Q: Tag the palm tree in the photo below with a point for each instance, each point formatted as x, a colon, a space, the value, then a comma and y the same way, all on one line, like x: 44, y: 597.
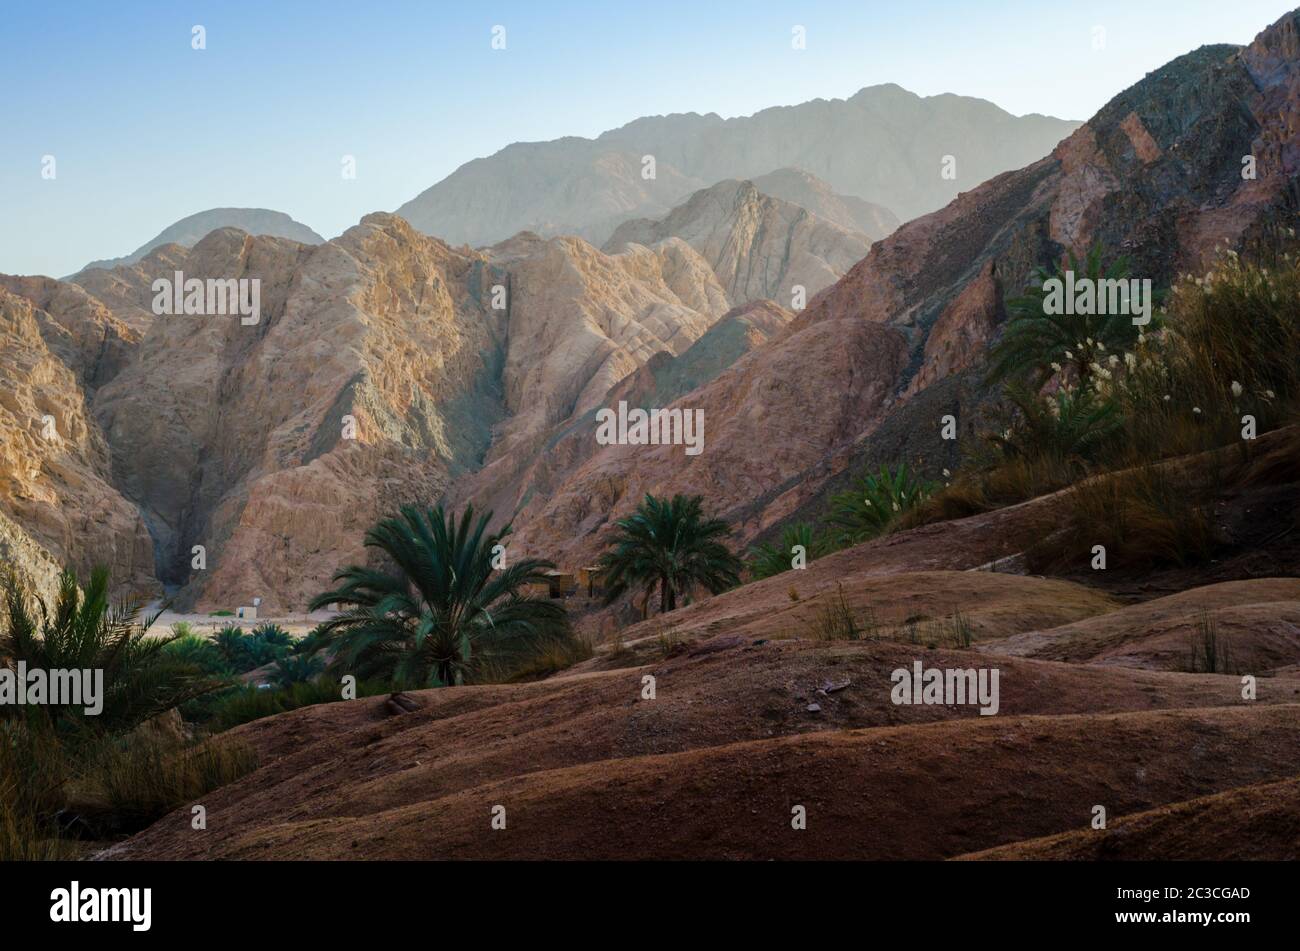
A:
x: 873, y: 503
x: 1037, y: 345
x: 1072, y: 423
x: 142, y: 678
x: 769, y: 559
x: 296, y: 669
x: 444, y: 612
x: 671, y: 546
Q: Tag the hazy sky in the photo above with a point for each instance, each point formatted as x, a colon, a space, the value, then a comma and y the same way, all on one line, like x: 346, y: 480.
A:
x: 146, y: 130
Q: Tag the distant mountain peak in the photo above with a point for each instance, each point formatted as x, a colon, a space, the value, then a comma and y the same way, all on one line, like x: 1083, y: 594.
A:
x: 191, y: 229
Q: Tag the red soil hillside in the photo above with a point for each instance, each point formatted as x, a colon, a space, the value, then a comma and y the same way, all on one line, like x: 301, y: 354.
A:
x: 919, y: 791
x: 1257, y: 823
x: 1258, y: 622
x: 723, y: 716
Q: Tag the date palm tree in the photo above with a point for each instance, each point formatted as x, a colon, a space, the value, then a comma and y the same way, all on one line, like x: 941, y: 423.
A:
x: 874, y: 502
x: 1037, y: 345
x: 670, y: 545
x: 442, y: 610
x: 1070, y: 424
x: 142, y: 678
x: 770, y: 559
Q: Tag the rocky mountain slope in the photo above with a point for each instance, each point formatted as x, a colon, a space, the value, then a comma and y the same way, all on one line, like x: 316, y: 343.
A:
x: 384, y: 365
x: 758, y: 246
x: 817, y: 197
x: 190, y: 230
x: 371, y: 377
x: 587, y: 187
x: 580, y: 320
x: 1156, y: 175
x: 520, y: 482
x: 58, y: 503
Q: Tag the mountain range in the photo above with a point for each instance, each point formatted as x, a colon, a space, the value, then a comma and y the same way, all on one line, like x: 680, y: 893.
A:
x: 391, y: 366
x: 883, y: 145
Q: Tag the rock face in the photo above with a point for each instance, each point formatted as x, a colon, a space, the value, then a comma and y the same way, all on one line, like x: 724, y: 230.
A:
x: 58, y: 505
x: 897, y: 142
x: 580, y: 320
x: 518, y: 484
x: 963, y: 331
x: 816, y: 196
x: 758, y: 246
x: 189, y: 231
x: 81, y: 331
x: 773, y: 413
x: 369, y: 379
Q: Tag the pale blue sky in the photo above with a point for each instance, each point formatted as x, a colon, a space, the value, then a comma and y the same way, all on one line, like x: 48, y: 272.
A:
x: 146, y: 130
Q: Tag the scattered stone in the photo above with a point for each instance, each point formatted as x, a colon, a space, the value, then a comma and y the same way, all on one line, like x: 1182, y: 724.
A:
x: 400, y: 703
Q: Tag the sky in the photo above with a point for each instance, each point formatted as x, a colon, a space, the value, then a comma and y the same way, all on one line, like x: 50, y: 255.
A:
x: 145, y: 130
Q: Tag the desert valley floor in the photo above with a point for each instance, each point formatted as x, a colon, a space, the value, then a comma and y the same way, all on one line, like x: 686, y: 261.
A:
x: 753, y: 715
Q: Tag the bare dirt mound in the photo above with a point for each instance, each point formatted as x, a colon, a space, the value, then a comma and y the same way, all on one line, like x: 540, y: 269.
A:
x: 1260, y: 822
x: 934, y: 790
x: 344, y: 761
x: 791, y: 604
x: 1257, y: 624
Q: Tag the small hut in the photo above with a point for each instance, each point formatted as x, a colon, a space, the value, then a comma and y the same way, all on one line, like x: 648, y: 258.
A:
x: 593, y: 579
x: 561, y: 583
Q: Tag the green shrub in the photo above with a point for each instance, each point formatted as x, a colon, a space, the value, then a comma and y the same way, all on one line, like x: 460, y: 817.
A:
x: 312, y: 643
x: 83, y: 783
x: 201, y: 652
x: 874, y: 503
x: 767, y: 560
x: 272, y: 634
x: 251, y: 702
x: 1209, y: 652
x: 296, y: 669
x: 147, y: 775
x: 1070, y: 425
x: 1144, y: 517
x: 1239, y: 325
x: 1229, y: 347
x: 835, y: 620
x: 551, y: 657
x: 1036, y: 346
x: 33, y: 773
